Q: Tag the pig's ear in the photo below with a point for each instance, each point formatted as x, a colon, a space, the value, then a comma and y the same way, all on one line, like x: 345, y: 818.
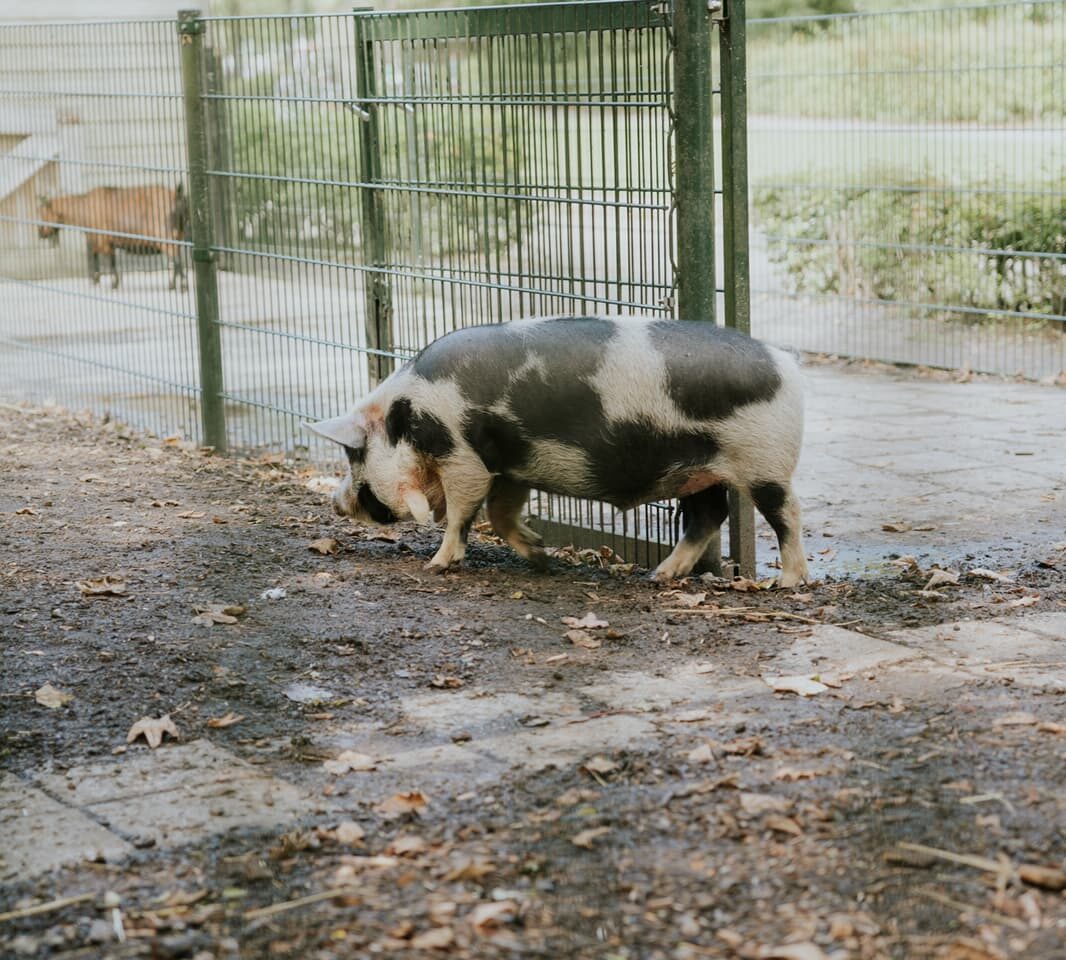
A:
x: 349, y: 430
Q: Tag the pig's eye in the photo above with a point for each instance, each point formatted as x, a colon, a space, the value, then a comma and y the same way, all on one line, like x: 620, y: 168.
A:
x: 355, y: 454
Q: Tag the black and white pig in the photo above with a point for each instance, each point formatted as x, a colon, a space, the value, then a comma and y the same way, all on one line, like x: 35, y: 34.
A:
x: 621, y: 409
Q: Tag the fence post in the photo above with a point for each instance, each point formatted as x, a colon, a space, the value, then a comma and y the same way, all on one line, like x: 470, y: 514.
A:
x: 734, y: 87
x: 378, y: 321
x: 694, y: 178
x: 190, y: 28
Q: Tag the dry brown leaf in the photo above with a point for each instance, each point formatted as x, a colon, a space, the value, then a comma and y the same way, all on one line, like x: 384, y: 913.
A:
x: 106, y: 586
x: 939, y: 577
x: 153, y: 729
x: 349, y: 833
x: 1049, y: 726
x: 804, y: 686
x: 470, y: 869
x: 744, y: 746
x: 1022, y: 602
x: 350, y: 760
x: 687, y: 599
x: 211, y: 613
x: 780, y: 824
x: 586, y: 838
x: 414, y: 801
x: 580, y: 638
x: 1019, y: 718
x: 407, y: 845
x: 445, y: 682
x: 49, y: 696
x: 588, y: 622
x: 228, y: 720
x: 437, y: 938
x: 327, y: 546
x: 600, y: 764
x: 1050, y: 878
x: 756, y: 804
x: 192, y: 515
x: 792, y: 774
x: 486, y: 917
x: 701, y: 754
x: 896, y: 526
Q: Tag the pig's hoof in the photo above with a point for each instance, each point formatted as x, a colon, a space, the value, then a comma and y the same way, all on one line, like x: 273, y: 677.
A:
x: 437, y: 566
x: 538, y: 558
x: 789, y: 581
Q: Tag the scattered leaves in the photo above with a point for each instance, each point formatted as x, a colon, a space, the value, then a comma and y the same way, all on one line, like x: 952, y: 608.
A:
x: 327, y: 546
x: 581, y: 638
x: 599, y: 764
x: 407, y: 845
x: 153, y: 729
x: 349, y: 833
x: 939, y: 577
x: 486, y: 917
x: 436, y: 938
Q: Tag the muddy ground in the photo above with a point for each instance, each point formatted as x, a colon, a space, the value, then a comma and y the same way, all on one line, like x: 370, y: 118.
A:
x: 737, y: 828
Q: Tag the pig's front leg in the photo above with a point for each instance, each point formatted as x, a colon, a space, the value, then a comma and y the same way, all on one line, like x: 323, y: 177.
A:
x: 465, y: 487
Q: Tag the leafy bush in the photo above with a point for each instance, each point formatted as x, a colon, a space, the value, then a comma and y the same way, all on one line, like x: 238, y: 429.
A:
x: 922, y: 243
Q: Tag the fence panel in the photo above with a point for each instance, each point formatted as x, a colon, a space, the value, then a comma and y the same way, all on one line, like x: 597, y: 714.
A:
x: 909, y: 185
x: 94, y: 110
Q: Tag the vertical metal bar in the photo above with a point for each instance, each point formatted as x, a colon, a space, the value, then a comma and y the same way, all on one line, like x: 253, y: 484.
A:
x: 694, y: 178
x: 378, y: 289
x: 190, y: 28
x: 736, y: 279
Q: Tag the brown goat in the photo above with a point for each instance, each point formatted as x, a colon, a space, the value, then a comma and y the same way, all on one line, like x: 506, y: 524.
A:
x: 152, y: 215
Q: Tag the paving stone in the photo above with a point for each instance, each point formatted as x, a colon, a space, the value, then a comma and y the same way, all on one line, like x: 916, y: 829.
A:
x: 637, y: 690
x: 830, y: 649
x: 38, y: 834
x: 477, y: 713
x: 174, y: 795
x: 993, y: 648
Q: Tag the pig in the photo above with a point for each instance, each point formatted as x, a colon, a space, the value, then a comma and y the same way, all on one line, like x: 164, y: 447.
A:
x: 625, y: 410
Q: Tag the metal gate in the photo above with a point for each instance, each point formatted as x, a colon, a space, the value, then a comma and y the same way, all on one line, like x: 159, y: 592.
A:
x: 362, y: 183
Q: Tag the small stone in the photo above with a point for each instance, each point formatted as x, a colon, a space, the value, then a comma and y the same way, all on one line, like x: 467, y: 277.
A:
x: 101, y: 932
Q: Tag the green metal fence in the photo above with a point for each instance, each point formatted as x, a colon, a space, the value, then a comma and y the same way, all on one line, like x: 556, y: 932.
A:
x: 359, y: 184
x: 909, y: 185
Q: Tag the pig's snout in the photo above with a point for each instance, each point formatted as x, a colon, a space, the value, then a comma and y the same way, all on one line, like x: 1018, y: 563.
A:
x: 344, y: 504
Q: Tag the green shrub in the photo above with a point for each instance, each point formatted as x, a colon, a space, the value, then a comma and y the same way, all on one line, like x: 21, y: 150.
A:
x: 922, y: 243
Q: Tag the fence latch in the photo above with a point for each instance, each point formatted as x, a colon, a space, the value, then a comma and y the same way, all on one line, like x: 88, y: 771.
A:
x: 717, y: 10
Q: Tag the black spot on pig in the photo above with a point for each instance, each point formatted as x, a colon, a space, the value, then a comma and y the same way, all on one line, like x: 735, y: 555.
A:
x: 482, y: 360
x: 354, y: 454
x: 554, y: 405
x: 377, y: 511
x: 711, y: 370
x: 422, y: 430
x: 499, y: 442
x: 630, y: 459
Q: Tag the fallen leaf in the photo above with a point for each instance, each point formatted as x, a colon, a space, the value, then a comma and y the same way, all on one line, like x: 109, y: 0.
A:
x: 780, y: 824
x: 327, y: 546
x: 794, y: 951
x: 756, y: 804
x: 153, y: 729
x: 804, y: 686
x: 437, y: 938
x: 580, y: 638
x: 349, y: 833
x: 414, y: 801
x: 586, y: 838
x: 1049, y: 726
x: 228, y: 720
x: 407, y: 845
x: 486, y: 917
x: 600, y: 764
x: 898, y: 526
x: 107, y: 586
x: 588, y: 622
x: 1050, y: 878
x: 744, y: 746
x: 211, y: 613
x: 1022, y: 602
x: 792, y: 774
x: 744, y: 585
x: 443, y: 682
x: 49, y: 696
x: 688, y: 599
x: 701, y: 754
x: 350, y: 760
x: 989, y: 575
x: 941, y: 576
x: 192, y: 515
x: 26, y: 512
x: 1017, y: 719
x: 470, y: 869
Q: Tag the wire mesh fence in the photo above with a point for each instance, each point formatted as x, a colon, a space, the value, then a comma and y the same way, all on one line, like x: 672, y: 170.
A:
x: 909, y: 185
x: 91, y: 162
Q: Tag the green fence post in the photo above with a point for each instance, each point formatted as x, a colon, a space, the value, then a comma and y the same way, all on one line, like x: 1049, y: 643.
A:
x: 191, y: 28
x: 694, y: 178
x: 378, y: 321
x: 734, y: 87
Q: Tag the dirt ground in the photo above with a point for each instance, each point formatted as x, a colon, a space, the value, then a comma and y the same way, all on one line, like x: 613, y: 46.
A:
x: 755, y: 827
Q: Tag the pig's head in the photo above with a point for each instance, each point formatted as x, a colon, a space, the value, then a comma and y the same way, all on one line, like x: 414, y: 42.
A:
x: 379, y: 486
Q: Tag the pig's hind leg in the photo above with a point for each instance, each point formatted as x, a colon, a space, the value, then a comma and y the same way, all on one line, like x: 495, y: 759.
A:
x: 703, y: 514
x: 465, y: 488
x: 505, y: 503
x: 777, y: 502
